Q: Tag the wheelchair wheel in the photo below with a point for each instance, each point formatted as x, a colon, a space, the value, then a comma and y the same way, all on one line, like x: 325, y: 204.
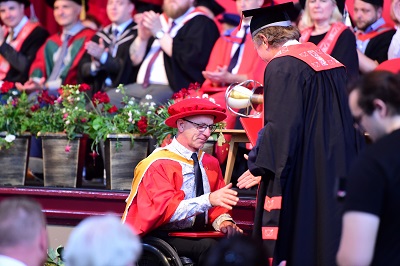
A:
x: 157, y: 252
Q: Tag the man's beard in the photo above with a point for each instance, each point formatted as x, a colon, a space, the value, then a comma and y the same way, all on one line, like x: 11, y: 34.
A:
x: 174, y: 12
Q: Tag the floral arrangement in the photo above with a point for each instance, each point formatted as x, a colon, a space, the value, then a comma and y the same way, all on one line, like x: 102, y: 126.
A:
x: 14, y: 113
x: 162, y: 131
x: 132, y: 118
x: 66, y: 113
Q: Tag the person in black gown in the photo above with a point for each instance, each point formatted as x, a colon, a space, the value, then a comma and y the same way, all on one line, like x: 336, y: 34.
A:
x: 306, y: 145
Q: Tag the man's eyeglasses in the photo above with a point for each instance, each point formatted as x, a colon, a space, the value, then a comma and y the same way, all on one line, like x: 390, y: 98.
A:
x: 202, y: 127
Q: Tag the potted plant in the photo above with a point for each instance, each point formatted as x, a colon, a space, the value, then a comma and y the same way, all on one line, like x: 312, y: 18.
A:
x: 60, y: 121
x: 125, y: 135
x: 14, y: 135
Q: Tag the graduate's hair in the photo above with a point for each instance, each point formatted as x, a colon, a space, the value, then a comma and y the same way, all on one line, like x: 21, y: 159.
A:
x: 335, y: 17
x: 383, y: 85
x: 277, y: 35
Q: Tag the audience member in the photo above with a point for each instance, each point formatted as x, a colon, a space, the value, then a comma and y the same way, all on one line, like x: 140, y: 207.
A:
x: 182, y: 187
x: 92, y: 22
x: 371, y: 220
x: 102, y: 241
x: 106, y: 63
x: 229, y: 22
x: 372, y: 33
x: 394, y: 47
x: 210, y: 7
x: 325, y: 28
x: 233, y: 59
x: 174, y: 48
x: 307, y: 142
x: 20, y: 39
x: 23, y: 235
x: 239, y: 250
x: 57, y: 60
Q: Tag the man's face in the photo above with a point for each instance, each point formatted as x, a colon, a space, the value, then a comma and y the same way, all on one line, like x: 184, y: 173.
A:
x: 176, y: 8
x: 365, y: 123
x: 191, y: 137
x: 365, y: 14
x: 119, y: 11
x: 66, y: 13
x: 11, y: 13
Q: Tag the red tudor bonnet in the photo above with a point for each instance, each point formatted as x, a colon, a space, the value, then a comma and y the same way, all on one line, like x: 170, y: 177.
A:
x: 194, y: 106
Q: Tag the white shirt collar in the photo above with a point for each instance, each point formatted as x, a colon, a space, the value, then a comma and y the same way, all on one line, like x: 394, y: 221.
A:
x: 20, y: 25
x: 4, y: 260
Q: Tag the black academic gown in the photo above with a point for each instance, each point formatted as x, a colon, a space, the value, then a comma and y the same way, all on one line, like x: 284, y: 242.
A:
x: 191, y: 49
x: 119, y: 68
x: 21, y: 61
x: 307, y: 143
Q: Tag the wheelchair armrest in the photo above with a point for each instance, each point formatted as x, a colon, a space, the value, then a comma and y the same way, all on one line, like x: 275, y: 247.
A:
x: 204, y: 234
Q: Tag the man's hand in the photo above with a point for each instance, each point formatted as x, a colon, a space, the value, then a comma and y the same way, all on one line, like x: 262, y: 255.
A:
x: 95, y: 49
x: 33, y: 84
x: 152, y: 22
x: 230, y: 229
x: 247, y: 180
x: 221, y: 76
x: 224, y: 197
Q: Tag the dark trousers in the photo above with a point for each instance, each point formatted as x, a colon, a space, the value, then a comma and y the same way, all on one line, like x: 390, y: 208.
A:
x: 194, y: 248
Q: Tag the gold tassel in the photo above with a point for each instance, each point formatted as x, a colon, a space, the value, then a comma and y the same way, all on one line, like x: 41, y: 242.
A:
x: 83, y: 11
x: 221, y: 139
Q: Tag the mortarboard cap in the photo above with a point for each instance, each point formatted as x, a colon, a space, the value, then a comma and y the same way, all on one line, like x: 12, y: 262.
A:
x: 212, y: 5
x: 230, y: 18
x: 277, y: 15
x: 141, y: 6
x: 374, y: 2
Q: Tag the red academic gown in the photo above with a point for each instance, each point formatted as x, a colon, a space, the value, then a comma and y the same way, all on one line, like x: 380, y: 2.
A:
x: 156, y: 190
x: 251, y: 65
x: 44, y: 63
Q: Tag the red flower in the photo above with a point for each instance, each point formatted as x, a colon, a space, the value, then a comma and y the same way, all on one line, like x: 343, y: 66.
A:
x: 100, y: 97
x: 113, y: 109
x: 44, y: 97
x: 67, y: 148
x: 7, y: 85
x: 35, y: 107
x: 84, y: 87
x: 142, y: 124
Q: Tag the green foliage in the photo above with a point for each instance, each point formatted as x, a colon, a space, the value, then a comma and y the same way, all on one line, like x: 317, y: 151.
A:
x: 14, y: 114
x: 67, y: 113
x: 133, y: 118
x: 54, y: 257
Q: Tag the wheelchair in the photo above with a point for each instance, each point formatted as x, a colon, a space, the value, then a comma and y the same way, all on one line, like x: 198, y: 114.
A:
x: 157, y: 252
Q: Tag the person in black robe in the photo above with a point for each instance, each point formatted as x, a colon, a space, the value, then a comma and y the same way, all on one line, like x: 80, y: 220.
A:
x: 305, y: 147
x: 107, y: 65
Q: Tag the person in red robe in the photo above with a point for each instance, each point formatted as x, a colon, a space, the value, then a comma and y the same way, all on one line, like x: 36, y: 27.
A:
x: 165, y: 195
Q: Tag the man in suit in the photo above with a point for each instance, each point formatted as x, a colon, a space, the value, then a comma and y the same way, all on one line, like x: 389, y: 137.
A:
x: 106, y: 62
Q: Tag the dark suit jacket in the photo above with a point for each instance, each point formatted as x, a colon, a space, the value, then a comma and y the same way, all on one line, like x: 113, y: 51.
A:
x: 119, y: 68
x: 20, y: 62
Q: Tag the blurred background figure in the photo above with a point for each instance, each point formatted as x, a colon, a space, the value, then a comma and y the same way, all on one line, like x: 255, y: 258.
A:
x: 372, y: 32
x: 210, y: 7
x: 92, y: 22
x: 23, y: 235
x: 229, y: 22
x: 323, y: 21
x: 239, y: 250
x: 394, y: 48
x: 20, y: 39
x: 102, y: 241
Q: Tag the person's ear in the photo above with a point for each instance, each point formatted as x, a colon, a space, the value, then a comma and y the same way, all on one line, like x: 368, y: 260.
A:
x: 380, y: 107
x: 180, y: 125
